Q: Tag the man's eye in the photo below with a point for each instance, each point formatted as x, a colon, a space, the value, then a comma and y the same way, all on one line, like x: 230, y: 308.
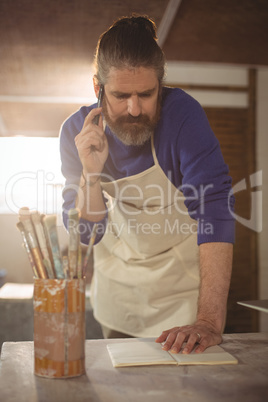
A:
x: 145, y: 95
x: 120, y: 97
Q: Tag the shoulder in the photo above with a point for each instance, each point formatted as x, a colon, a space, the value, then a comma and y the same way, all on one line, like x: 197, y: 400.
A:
x: 180, y: 114
x: 177, y: 104
x: 74, y: 123
x: 183, y: 126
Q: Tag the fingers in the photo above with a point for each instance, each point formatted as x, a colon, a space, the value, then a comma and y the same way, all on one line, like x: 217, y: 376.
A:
x: 89, y: 128
x: 176, y: 339
x: 193, y: 339
x: 96, y: 120
x: 92, y: 115
x: 94, y: 141
x: 164, y: 335
x: 186, y: 338
x: 91, y: 144
x: 91, y: 137
x: 202, y: 346
x: 170, y: 341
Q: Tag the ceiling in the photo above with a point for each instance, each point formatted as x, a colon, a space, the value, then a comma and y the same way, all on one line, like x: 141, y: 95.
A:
x: 47, y: 49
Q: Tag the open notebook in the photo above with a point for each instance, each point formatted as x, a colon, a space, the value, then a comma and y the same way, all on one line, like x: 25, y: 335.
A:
x: 150, y: 353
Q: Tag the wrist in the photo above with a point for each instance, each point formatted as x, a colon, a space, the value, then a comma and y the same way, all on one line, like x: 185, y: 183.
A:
x: 216, y: 326
x: 89, y: 179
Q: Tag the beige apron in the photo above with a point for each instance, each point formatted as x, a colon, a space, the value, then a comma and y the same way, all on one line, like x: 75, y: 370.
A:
x: 146, y: 271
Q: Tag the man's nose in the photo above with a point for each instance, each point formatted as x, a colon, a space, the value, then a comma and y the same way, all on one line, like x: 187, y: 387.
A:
x: 134, y: 107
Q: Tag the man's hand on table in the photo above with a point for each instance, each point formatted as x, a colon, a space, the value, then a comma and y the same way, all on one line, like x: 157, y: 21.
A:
x: 200, y: 333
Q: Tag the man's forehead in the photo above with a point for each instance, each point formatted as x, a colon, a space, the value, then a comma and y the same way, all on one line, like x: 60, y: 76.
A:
x: 138, y: 79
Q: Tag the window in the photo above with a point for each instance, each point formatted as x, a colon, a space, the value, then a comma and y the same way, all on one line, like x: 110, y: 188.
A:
x: 30, y: 174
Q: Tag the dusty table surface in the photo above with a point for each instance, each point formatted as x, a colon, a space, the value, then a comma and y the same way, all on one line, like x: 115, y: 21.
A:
x: 247, y: 381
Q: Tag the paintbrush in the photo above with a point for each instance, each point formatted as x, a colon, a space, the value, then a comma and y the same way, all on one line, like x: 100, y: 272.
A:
x: 65, y: 264
x: 40, y: 233
x: 25, y: 219
x: 89, y: 249
x: 50, y: 226
x: 74, y: 242
x: 48, y: 244
x: 27, y: 248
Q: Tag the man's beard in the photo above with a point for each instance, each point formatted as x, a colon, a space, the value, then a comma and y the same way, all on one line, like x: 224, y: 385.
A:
x: 132, y: 130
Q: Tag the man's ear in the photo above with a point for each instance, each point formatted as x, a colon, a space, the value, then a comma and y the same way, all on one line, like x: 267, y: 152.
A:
x: 96, y: 85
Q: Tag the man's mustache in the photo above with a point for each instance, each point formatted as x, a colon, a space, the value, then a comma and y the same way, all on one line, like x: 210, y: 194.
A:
x: 142, y: 118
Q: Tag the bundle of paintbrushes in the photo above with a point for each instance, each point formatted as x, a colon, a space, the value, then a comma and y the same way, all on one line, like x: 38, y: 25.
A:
x: 40, y: 239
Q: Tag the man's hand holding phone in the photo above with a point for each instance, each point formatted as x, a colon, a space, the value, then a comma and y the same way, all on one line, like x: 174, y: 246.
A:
x: 91, y: 142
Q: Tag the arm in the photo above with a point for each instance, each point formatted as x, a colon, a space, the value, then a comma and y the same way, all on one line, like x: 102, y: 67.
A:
x: 92, y: 147
x: 84, y: 148
x: 207, y: 190
x: 215, y: 273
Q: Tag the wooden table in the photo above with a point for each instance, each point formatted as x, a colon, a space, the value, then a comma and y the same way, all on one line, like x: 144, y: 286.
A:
x: 246, y: 382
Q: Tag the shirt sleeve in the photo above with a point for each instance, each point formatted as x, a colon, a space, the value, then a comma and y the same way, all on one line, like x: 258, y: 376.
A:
x: 71, y: 168
x: 206, y: 183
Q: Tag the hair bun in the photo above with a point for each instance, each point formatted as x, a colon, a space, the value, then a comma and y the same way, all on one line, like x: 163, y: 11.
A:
x: 137, y: 23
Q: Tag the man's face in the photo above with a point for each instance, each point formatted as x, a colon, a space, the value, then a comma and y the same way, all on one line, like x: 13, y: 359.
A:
x: 131, y: 105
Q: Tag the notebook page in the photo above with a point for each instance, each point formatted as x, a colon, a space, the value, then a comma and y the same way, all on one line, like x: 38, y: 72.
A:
x: 212, y: 355
x: 138, y: 354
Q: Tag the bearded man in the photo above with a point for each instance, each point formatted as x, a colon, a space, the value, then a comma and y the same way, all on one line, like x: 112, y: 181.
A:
x: 152, y: 176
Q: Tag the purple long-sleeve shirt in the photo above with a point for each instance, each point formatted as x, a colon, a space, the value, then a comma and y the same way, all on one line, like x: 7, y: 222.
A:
x: 187, y: 151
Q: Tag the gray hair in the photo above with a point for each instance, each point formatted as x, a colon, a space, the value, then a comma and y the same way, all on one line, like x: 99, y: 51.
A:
x: 130, y: 42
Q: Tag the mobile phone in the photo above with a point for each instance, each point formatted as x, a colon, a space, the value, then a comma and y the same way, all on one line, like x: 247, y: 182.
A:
x: 101, y: 92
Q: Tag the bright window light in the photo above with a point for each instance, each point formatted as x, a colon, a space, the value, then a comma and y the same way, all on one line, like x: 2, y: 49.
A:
x: 30, y: 175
